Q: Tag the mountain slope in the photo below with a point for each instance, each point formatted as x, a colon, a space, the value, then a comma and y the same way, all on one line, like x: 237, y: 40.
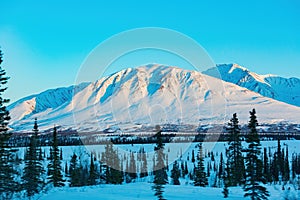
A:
x: 152, y: 94
x: 49, y: 99
x: 282, y: 89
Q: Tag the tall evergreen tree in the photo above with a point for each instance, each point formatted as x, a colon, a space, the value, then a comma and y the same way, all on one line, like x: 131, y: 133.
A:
x: 221, y: 167
x: 66, y: 169
x: 84, y: 174
x: 286, y: 167
x: 182, y: 169
x: 32, y: 178
x: 200, y: 178
x: 193, y: 156
x: 295, y: 165
x: 74, y: 172
x: 212, y: 156
x: 92, y: 180
x: 159, y: 170
x: 280, y: 161
x: 8, y: 183
x: 113, y: 171
x: 254, y: 166
x: 208, y: 169
x: 227, y: 180
x: 55, y: 176
x: 144, y: 168
x: 266, y: 168
x: 186, y: 171
x: 132, y: 167
x: 234, y: 153
x: 175, y: 174
x: 274, y: 169
x: 160, y: 174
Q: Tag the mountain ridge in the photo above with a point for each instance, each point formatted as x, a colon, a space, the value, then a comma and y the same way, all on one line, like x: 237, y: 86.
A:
x: 151, y: 94
x: 273, y: 86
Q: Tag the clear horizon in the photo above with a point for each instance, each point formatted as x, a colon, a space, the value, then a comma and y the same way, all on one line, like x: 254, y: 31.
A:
x: 45, y: 43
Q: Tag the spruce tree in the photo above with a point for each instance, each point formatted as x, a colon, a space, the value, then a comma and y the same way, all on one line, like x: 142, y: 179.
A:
x: 33, y: 173
x: 8, y: 174
x: 159, y: 170
x: 160, y: 174
x: 295, y: 165
x: 144, y: 168
x: 113, y: 171
x: 66, y: 169
x: 200, y: 178
x: 286, y: 167
x: 193, y: 156
x: 92, y: 180
x: 212, y: 156
x: 221, y: 167
x: 234, y: 153
x: 266, y: 168
x: 182, y: 169
x: 279, y: 159
x: 254, y: 166
x: 226, y: 180
x: 175, y: 174
x: 274, y: 169
x: 74, y: 172
x: 84, y: 175
x: 132, y: 167
x: 55, y: 176
x: 208, y: 169
x: 186, y: 171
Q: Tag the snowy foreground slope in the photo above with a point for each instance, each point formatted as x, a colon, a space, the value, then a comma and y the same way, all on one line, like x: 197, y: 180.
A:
x: 282, y: 89
x: 143, y: 191
x: 152, y: 94
x: 141, y: 188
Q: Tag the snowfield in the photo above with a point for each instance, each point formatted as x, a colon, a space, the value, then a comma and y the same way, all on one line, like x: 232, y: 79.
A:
x: 143, y: 191
x: 141, y: 188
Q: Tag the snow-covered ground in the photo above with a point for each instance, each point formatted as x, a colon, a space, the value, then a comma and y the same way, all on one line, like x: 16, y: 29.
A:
x: 143, y: 191
x: 141, y: 188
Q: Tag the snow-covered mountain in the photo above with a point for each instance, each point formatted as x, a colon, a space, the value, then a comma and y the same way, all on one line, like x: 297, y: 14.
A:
x: 50, y: 99
x: 151, y: 94
x: 282, y: 89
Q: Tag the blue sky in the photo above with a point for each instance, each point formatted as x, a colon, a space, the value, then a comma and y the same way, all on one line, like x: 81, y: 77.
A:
x: 45, y: 42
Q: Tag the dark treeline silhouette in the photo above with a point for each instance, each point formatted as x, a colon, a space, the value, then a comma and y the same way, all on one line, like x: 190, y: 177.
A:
x: 72, y: 138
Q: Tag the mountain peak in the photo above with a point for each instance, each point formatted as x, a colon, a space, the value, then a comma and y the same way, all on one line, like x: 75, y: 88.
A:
x: 283, y: 89
x: 147, y: 95
x: 231, y: 67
